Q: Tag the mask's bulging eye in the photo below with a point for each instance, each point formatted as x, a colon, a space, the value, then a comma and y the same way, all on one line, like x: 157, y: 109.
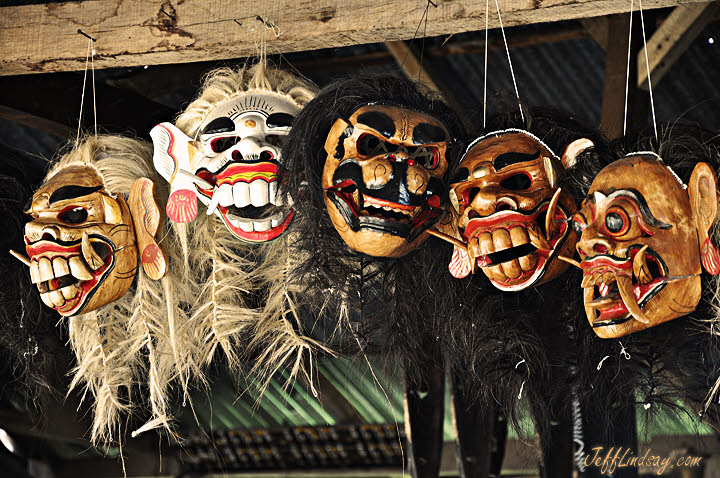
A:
x: 218, y: 145
x: 576, y: 227
x: 427, y: 157
x: 617, y: 221
x: 73, y: 215
x: 517, y: 182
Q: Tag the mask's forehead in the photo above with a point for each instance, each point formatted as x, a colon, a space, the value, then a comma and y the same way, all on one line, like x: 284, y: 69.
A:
x: 264, y: 104
x: 491, y: 148
x: 81, y: 175
x: 401, y: 123
x: 645, y: 174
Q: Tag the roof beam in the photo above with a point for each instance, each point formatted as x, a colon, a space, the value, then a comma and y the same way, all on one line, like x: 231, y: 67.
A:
x: 44, y: 37
x: 672, y: 38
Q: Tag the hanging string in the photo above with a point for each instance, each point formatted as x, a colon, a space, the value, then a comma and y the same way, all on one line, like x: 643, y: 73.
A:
x: 487, y: 11
x: 627, y: 72
x: 92, y: 64
x: 647, y: 66
x: 507, y: 51
x: 424, y: 15
x: 422, y: 46
x: 82, y: 96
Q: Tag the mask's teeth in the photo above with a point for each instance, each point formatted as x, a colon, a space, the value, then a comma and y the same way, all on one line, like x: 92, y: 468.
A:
x: 589, y: 295
x: 625, y: 287
x: 640, y: 268
x: 78, y: 268
x: 91, y: 257
x: 473, y: 252
x: 551, y: 225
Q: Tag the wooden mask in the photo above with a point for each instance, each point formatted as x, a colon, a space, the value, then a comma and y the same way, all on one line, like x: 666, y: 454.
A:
x: 232, y: 166
x: 81, y: 242
x: 383, y: 178
x: 644, y: 239
x: 509, y: 210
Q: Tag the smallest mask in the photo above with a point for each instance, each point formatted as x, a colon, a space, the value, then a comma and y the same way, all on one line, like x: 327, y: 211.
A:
x: 81, y: 242
x: 383, y: 178
x: 509, y: 210
x: 644, y: 239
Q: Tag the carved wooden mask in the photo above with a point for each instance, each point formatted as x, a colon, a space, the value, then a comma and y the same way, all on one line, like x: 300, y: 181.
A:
x: 509, y: 210
x: 383, y: 178
x: 81, y: 242
x: 643, y: 242
x: 232, y: 166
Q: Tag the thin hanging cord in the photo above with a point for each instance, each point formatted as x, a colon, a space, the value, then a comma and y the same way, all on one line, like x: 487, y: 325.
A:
x: 487, y: 11
x: 92, y: 64
x: 627, y: 72
x: 82, y: 96
x: 507, y: 51
x: 402, y: 63
x: 422, y: 47
x: 647, y: 66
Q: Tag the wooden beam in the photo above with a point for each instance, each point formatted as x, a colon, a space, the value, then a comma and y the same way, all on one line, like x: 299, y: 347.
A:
x: 44, y: 37
x: 672, y: 38
x: 613, y: 100
x: 597, y: 27
x: 33, y: 121
x: 410, y: 63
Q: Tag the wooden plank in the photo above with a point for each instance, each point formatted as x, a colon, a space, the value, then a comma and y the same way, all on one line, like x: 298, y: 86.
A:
x: 672, y: 38
x: 33, y: 121
x: 597, y: 27
x: 43, y: 37
x: 613, y: 100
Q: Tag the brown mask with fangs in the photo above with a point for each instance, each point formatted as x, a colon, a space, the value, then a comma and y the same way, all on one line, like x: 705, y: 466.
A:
x: 81, y: 242
x: 510, y: 211
x: 643, y: 243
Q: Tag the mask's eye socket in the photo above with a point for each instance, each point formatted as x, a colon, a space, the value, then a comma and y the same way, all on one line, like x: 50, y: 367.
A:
x: 617, y: 221
x: 369, y: 145
x: 460, y: 176
x: 578, y: 224
x: 73, y: 215
x: 517, y: 182
x: 280, y: 120
x: 218, y: 145
x: 427, y: 157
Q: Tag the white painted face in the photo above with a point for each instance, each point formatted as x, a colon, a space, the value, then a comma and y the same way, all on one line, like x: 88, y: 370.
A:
x: 241, y: 141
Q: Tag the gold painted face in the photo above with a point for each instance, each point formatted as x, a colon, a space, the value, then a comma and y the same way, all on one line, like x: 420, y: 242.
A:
x: 80, y: 242
x: 639, y: 244
x: 383, y: 178
x: 508, y: 212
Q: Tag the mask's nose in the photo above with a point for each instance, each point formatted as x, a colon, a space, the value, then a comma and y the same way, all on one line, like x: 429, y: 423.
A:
x: 251, y: 148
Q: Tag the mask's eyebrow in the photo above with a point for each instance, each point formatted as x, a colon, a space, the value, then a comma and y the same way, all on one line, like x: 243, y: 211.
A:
x: 219, y: 125
x: 72, y: 192
x: 506, y: 159
x: 639, y: 199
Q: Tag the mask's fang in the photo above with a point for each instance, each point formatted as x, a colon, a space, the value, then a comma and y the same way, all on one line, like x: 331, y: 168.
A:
x: 92, y: 258
x: 625, y: 287
x: 537, y: 240
x: 447, y: 238
x: 24, y: 259
x: 640, y: 268
x: 551, y: 227
x: 570, y: 261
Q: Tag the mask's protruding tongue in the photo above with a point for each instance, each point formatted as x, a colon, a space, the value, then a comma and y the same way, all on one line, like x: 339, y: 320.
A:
x: 91, y: 257
x: 551, y: 225
x: 640, y: 268
x: 625, y: 287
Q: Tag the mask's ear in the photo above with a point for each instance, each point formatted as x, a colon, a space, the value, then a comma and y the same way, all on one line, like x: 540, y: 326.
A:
x: 573, y: 150
x: 702, y: 191
x: 146, y: 218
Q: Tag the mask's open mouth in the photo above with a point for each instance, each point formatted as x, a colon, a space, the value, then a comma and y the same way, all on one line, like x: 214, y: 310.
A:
x: 399, y: 217
x: 616, y: 290
x: 514, y: 247
x: 67, y: 274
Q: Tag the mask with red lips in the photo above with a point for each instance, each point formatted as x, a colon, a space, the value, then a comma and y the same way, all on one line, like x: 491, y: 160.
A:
x: 81, y: 242
x: 643, y: 243
x: 232, y: 167
x: 382, y: 178
x: 509, y: 210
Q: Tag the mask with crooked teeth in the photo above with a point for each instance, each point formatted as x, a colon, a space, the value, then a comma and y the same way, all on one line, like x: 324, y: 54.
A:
x: 81, y: 242
x: 643, y: 243
x: 382, y: 178
x: 232, y: 167
x: 510, y: 213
